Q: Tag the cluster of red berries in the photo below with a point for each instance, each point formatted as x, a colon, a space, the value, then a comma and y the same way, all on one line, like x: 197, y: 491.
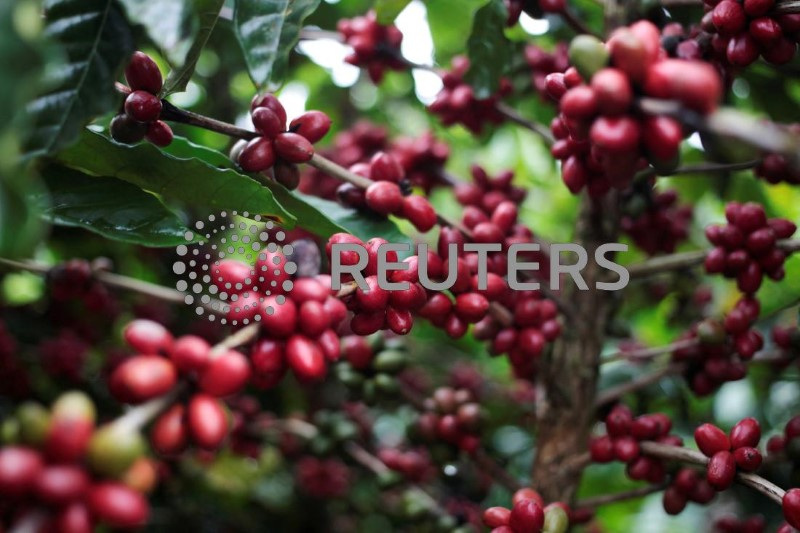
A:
x: 731, y: 524
x: 542, y: 63
x: 488, y: 192
x: 534, y: 8
x: 451, y: 416
x: 687, y: 485
x: 743, y: 30
x: 322, y: 478
x: 729, y: 453
x: 457, y: 103
x: 746, y: 248
x: 376, y: 47
x: 414, y: 465
x: 775, y: 168
x: 279, y: 148
x: 661, y: 225
x: 787, y: 340
x: 601, y: 140
x: 73, y: 281
x: 64, y: 355
x: 528, y: 514
x: 621, y: 443
x: 788, y: 440
x: 370, y: 373
x: 386, y: 196
x: 59, y: 470
x: 142, y: 105
x: 422, y: 158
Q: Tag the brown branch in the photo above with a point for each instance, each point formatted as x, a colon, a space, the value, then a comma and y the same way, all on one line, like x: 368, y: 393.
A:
x: 539, y: 129
x: 648, y: 353
x: 713, y: 167
x: 684, y: 455
x: 488, y: 465
x: 605, y: 499
x: 617, y: 392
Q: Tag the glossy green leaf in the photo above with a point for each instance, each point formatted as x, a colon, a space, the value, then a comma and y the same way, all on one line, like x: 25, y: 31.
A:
x: 387, y: 10
x: 192, y: 182
x: 450, y: 32
x: 110, y: 207
x: 488, y: 49
x: 267, y: 31
x: 169, y: 23
x: 96, y: 41
x: 20, y: 226
x: 178, y: 78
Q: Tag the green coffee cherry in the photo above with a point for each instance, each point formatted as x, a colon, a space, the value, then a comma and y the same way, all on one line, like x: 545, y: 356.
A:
x: 9, y: 431
x: 74, y: 405
x: 114, y: 448
x: 390, y: 361
x: 386, y: 383
x: 588, y: 54
x: 34, y: 422
x: 555, y: 520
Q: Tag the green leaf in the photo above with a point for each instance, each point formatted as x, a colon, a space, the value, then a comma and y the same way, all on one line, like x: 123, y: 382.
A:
x: 488, y: 49
x: 450, y: 32
x: 387, y: 10
x: 20, y: 227
x: 192, y: 182
x: 778, y: 295
x: 169, y: 23
x: 178, y: 78
x: 110, y: 207
x: 96, y: 41
x: 324, y: 218
x: 267, y: 31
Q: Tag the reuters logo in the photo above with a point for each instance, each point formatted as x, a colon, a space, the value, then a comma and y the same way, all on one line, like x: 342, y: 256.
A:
x: 232, y: 270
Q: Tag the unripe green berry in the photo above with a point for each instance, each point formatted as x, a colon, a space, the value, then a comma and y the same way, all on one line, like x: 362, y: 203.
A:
x: 74, y: 405
x: 114, y: 448
x: 555, y: 520
x: 588, y: 55
x: 34, y: 422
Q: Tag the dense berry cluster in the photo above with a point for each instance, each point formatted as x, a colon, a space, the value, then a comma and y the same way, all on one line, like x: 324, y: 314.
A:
x: 451, y: 416
x: 528, y: 514
x: 376, y: 47
x: 369, y: 373
x: 65, y: 475
x: 322, y: 478
x: 621, y: 443
x: 729, y: 453
x: 687, y: 485
x: 64, y: 355
x: 660, y: 225
x: 601, y: 139
x: 276, y: 147
x: 746, y: 247
x: 542, y: 63
x: 142, y: 107
x: 744, y: 30
x: 457, y: 103
x: 414, y: 465
x: 422, y: 158
x: 774, y: 168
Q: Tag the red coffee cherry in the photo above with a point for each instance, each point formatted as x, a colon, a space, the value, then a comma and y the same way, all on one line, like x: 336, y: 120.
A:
x: 471, y: 306
x: 579, y: 103
x: 267, y: 122
x: 207, y: 421
x: 19, y: 471
x: 313, y: 125
x: 612, y: 90
x: 271, y: 102
x: 305, y: 358
x: 142, y: 377
x: 710, y: 439
x: 74, y: 518
x: 400, y: 321
x: 126, y: 130
x: 527, y: 493
x: 674, y: 500
x: 496, y: 516
x: 747, y: 458
x: 618, y: 421
x: 116, y: 505
x: 742, y: 49
x: 306, y: 289
x: 721, y: 470
x: 373, y: 299
x: 616, y: 134
x: 225, y: 374
x: 142, y: 106
x: 233, y: 277
x: 169, y: 433
x: 626, y: 449
x: 61, y: 484
x: 695, y: 83
x: 419, y: 211
x: 282, y: 322
x: 791, y: 507
x: 70, y: 428
x: 526, y: 515
x: 159, y: 133
x: 190, y: 353
x: 313, y: 319
x: 148, y: 337
x: 270, y: 271
x: 601, y: 449
x: 728, y: 17
x: 384, y: 197
x: 746, y: 432
x: 142, y: 73
x: 662, y: 137
x: 293, y: 148
x: 258, y: 155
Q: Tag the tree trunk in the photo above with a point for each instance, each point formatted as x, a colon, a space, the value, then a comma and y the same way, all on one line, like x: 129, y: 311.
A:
x: 568, y: 375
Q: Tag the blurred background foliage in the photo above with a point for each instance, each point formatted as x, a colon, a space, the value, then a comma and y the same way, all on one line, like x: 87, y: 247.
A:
x: 247, y: 495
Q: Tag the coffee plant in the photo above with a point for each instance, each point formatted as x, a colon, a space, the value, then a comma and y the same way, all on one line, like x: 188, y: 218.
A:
x: 520, y: 266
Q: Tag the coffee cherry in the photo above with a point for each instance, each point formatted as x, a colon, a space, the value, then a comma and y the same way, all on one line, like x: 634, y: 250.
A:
x: 225, y: 374
x: 61, y: 484
x: 384, y: 197
x: 142, y: 73
x: 496, y: 516
x: 674, y: 500
x: 612, y: 90
x: 287, y: 174
x: 587, y: 54
x: 71, y: 426
x: 20, y: 469
x: 282, y: 320
x: 579, y: 103
x: 118, y: 506
x: 305, y: 358
x: 142, y: 378
x: 169, y: 433
x: 374, y: 298
x: 190, y: 354
x: 34, y: 423
x: 114, y: 448
x: 526, y: 515
x: 626, y: 449
x: 746, y: 432
x: 293, y: 148
x: 527, y: 493
x: 710, y: 439
x: 258, y: 155
x: 556, y: 518
x: 419, y: 211
x: 747, y: 458
x: 159, y: 133
x: 271, y: 102
x: 142, y: 106
x: 126, y: 130
x: 742, y: 49
x: 471, y: 306
x: 721, y: 470
x: 313, y: 125
x: 148, y: 337
x: 791, y: 507
x: 616, y: 134
x: 728, y: 17
x: 695, y: 83
x: 618, y: 421
x: 207, y: 421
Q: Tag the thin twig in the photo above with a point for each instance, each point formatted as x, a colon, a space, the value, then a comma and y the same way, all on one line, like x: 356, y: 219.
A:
x: 512, y: 115
x: 713, y: 167
x: 604, y: 499
x: 615, y: 393
x: 648, y: 353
